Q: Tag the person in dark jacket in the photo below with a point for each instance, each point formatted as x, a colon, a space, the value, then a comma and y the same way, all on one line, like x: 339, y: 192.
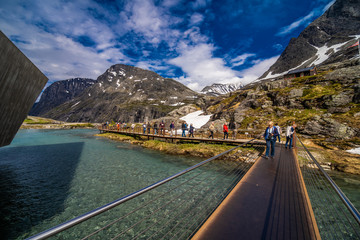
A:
x: 191, y: 130
x: 148, y: 127
x: 270, y: 136
x: 162, y: 128
x: 172, y: 128
x: 183, y: 128
x: 155, y: 128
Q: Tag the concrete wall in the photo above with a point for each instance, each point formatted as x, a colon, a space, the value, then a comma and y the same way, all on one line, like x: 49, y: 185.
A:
x: 20, y: 84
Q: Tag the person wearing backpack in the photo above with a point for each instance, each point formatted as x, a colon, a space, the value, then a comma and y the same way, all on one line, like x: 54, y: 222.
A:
x: 289, y: 135
x: 191, y: 130
x: 270, y: 136
x: 183, y: 128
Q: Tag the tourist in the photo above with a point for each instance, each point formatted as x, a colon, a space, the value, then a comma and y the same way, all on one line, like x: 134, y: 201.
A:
x: 172, y: 128
x: 148, y: 127
x: 279, y: 131
x: 183, y: 128
x: 118, y: 126
x: 155, y: 128
x: 162, y: 128
x: 132, y: 127
x: 191, y: 130
x: 144, y: 127
x: 289, y: 134
x: 270, y: 136
x: 226, y: 131
x: 232, y: 127
x: 212, y: 129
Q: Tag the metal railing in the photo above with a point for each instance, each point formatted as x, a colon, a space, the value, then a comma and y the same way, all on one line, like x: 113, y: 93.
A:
x: 336, y: 216
x: 215, y: 188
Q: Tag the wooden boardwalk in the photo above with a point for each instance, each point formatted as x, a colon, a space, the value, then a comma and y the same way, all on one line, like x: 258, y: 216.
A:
x: 178, y: 137
x: 270, y: 202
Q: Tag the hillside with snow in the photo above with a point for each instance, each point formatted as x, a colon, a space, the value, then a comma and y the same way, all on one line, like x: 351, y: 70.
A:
x: 326, y: 40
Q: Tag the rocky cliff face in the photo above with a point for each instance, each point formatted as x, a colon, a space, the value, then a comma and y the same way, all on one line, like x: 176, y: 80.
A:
x: 324, y: 41
x: 325, y: 106
x: 58, y: 93
x: 125, y: 93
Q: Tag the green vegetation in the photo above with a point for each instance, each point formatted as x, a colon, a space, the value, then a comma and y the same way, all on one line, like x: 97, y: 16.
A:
x: 193, y: 149
x: 318, y: 91
x: 37, y: 121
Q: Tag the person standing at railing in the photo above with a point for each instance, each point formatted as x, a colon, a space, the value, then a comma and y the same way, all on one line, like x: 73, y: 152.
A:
x: 155, y: 128
x: 162, y: 128
x: 232, y: 127
x: 270, y: 136
x: 226, y: 131
x: 212, y: 129
x: 172, y: 128
x: 289, y: 134
x: 144, y: 127
x: 191, y: 130
x: 148, y: 127
x: 279, y: 131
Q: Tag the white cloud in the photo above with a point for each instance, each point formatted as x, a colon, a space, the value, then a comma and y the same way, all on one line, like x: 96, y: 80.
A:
x: 302, y: 21
x: 196, y: 19
x: 239, y: 60
x: 201, y: 68
x: 261, y: 66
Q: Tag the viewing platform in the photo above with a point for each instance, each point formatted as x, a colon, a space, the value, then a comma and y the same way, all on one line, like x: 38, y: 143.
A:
x: 270, y: 202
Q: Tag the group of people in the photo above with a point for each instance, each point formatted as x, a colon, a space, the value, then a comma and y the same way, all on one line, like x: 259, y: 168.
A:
x: 231, y: 126
x: 272, y: 133
x: 160, y: 128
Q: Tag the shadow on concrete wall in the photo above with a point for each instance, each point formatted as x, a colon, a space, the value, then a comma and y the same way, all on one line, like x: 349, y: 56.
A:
x: 34, y: 184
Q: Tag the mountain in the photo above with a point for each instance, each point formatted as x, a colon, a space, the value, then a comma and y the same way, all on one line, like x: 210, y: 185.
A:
x: 324, y: 41
x: 125, y: 93
x: 60, y: 92
x: 219, y: 89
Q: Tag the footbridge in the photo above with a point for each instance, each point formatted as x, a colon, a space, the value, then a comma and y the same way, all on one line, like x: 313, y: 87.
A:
x: 237, y: 194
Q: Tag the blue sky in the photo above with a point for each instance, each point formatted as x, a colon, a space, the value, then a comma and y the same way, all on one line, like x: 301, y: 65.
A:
x: 196, y: 42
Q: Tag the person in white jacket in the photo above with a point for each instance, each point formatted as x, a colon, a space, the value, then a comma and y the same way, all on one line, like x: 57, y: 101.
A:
x: 289, y: 135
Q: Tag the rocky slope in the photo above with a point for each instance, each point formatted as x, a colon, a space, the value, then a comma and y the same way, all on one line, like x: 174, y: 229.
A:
x: 325, y: 106
x: 60, y: 92
x: 219, y: 89
x: 324, y: 41
x: 125, y: 93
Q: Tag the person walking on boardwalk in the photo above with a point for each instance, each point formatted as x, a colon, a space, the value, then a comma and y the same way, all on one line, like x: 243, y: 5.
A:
x: 279, y: 131
x: 232, y: 127
x: 226, y: 131
x: 148, y: 127
x: 118, y: 126
x: 270, y: 136
x: 191, y: 130
x: 183, y: 128
x: 155, y: 128
x: 212, y: 129
x: 162, y: 128
x: 172, y: 128
x: 132, y: 127
x: 289, y: 134
x: 144, y: 127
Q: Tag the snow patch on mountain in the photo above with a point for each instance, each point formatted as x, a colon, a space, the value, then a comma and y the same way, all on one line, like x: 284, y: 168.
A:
x: 220, y: 89
x: 196, y: 118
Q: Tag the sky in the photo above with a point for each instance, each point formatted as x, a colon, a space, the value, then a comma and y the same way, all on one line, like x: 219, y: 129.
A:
x: 197, y: 42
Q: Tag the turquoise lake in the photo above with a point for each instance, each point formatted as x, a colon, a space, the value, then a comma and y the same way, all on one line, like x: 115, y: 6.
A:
x: 51, y: 176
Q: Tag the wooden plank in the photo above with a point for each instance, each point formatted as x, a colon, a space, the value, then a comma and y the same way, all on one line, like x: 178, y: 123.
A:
x: 268, y: 203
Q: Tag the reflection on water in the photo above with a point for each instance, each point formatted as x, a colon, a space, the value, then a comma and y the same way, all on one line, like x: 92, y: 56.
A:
x: 50, y: 176
x: 349, y: 184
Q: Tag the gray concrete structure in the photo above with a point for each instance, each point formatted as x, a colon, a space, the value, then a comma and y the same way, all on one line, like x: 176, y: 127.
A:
x: 20, y: 84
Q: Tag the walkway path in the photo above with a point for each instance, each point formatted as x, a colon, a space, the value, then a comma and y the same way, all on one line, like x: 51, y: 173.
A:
x: 268, y: 203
